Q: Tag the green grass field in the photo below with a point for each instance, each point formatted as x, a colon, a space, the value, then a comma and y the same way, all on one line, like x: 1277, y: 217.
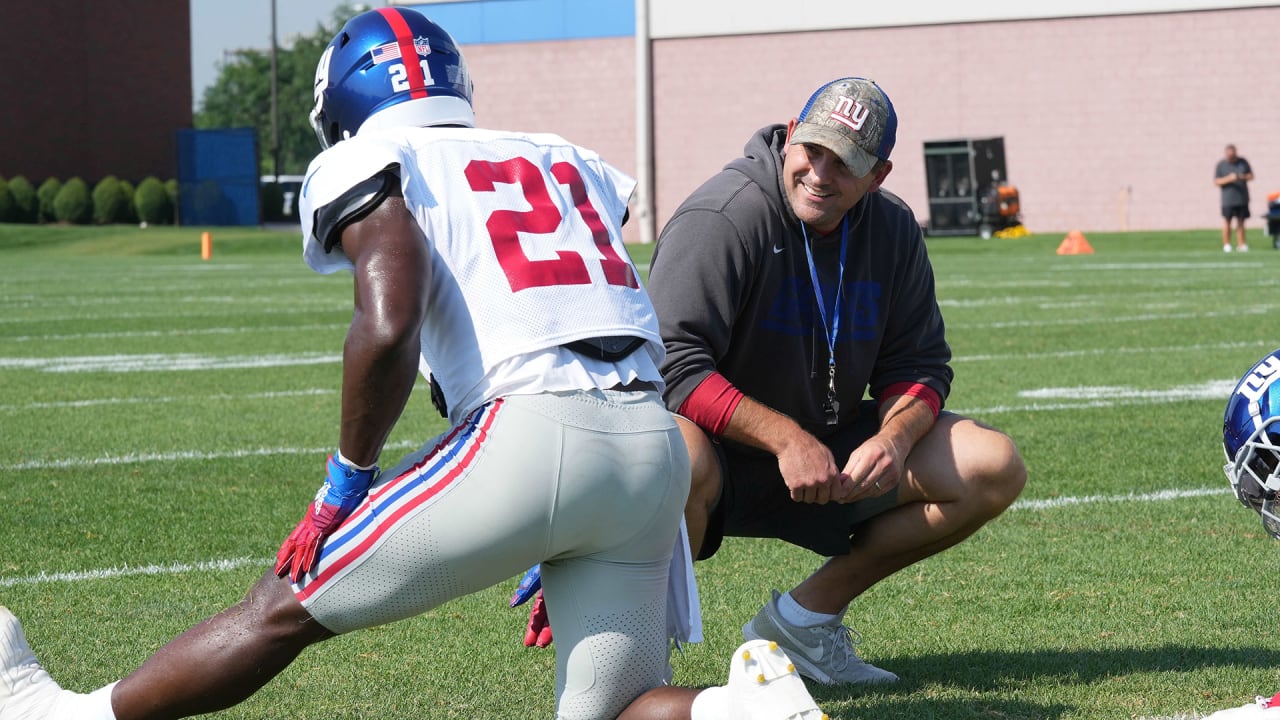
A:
x: 165, y: 419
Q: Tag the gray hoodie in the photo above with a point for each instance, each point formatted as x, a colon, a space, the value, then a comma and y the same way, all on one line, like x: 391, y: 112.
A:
x: 731, y: 286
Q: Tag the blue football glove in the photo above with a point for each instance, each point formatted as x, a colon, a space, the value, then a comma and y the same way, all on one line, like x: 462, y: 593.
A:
x: 529, y: 585
x: 344, y: 487
x: 538, y: 631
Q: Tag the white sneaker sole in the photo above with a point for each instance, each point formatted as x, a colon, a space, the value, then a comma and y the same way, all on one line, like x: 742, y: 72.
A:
x: 764, y: 685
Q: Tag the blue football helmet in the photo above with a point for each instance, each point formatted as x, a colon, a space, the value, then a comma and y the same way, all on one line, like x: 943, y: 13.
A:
x: 1251, y: 441
x: 363, y: 80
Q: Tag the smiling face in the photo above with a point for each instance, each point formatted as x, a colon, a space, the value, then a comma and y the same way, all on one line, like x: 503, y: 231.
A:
x: 820, y: 188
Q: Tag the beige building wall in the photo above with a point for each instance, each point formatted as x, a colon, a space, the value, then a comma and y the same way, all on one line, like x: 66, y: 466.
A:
x: 1110, y: 122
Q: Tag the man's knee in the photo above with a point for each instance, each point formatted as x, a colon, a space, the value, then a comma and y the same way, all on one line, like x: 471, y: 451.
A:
x: 999, y: 473
x: 966, y: 460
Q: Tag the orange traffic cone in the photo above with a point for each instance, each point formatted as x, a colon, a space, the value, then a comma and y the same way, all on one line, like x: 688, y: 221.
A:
x: 1075, y: 244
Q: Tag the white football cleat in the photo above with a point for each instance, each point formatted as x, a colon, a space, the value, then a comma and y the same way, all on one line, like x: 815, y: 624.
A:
x: 1260, y: 709
x: 763, y: 685
x: 26, y: 690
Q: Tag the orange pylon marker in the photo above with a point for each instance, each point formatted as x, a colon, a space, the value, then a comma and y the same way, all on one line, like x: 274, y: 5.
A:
x: 206, y: 245
x: 1075, y: 244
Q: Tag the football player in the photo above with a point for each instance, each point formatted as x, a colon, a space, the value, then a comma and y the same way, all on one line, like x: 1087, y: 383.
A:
x: 496, y: 258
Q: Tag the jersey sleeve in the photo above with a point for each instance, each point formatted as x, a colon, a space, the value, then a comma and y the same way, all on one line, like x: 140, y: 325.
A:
x: 340, y: 182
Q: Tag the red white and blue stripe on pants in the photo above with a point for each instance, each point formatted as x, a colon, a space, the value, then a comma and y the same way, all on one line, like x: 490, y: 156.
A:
x: 390, y: 503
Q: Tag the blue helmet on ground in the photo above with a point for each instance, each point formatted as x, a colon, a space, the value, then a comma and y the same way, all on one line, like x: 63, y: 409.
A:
x: 387, y: 67
x: 1251, y: 440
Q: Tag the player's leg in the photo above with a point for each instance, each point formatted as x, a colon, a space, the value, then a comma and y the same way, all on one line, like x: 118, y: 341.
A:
x: 961, y: 475
x: 1242, y: 214
x: 222, y: 661
x: 214, y: 665
x: 704, y: 485
x: 958, y: 477
x: 391, y: 559
x: 609, y: 607
x: 1226, y: 229
x: 617, y: 510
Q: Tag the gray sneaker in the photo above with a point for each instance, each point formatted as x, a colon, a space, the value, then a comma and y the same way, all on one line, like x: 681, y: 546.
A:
x: 824, y: 653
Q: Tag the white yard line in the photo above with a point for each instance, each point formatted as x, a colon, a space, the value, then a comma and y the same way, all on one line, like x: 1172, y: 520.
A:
x: 1157, y: 496
x: 166, y: 314
x: 1094, y: 352
x: 1086, y: 397
x: 75, y: 404
x: 184, y: 455
x: 183, y: 332
x: 171, y: 569
x: 235, y: 563
x: 163, y: 362
x: 1116, y: 319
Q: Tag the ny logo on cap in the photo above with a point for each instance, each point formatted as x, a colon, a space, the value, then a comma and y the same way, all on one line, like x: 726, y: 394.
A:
x: 850, y: 112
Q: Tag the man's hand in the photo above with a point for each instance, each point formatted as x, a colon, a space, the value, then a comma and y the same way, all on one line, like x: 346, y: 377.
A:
x: 343, y: 489
x: 810, y: 471
x: 874, y: 469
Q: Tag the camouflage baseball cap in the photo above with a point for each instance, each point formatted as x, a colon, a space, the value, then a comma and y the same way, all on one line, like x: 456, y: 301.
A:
x: 853, y: 118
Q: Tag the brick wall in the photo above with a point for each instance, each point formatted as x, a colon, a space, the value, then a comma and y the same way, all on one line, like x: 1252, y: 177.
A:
x: 1109, y: 123
x: 102, y: 86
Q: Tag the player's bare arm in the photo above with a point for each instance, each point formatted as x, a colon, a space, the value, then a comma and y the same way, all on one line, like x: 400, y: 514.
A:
x: 807, y: 466
x: 380, y: 357
x: 876, y: 466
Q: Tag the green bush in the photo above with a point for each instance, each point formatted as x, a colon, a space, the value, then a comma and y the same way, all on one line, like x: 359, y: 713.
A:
x: 152, y: 203
x: 26, y: 205
x: 108, y: 202
x: 129, y: 213
x: 171, y: 189
x: 45, y: 196
x: 73, y: 204
x: 7, y: 210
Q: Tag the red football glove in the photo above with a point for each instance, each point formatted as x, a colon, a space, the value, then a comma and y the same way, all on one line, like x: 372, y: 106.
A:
x: 539, y: 630
x: 344, y: 487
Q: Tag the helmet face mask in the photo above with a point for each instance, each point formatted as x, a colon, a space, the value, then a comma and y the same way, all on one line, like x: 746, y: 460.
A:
x: 389, y: 67
x: 1251, y: 441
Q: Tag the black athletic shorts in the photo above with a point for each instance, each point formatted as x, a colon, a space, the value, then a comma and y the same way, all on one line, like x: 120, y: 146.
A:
x: 755, y: 502
x: 1235, y: 211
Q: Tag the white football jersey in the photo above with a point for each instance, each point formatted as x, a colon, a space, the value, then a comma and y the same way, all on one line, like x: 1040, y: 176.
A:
x: 526, y: 254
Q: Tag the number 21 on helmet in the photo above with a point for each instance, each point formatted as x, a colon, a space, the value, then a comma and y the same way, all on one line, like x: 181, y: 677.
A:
x: 388, y: 67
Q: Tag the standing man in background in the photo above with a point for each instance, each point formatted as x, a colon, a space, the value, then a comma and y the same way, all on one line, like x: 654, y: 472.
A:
x: 1232, y: 175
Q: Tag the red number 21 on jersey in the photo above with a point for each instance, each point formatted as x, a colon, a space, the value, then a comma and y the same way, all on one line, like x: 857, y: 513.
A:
x: 543, y: 218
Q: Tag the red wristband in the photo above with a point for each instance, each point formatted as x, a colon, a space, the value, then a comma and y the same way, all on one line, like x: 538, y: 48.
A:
x: 918, y: 390
x: 712, y: 403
